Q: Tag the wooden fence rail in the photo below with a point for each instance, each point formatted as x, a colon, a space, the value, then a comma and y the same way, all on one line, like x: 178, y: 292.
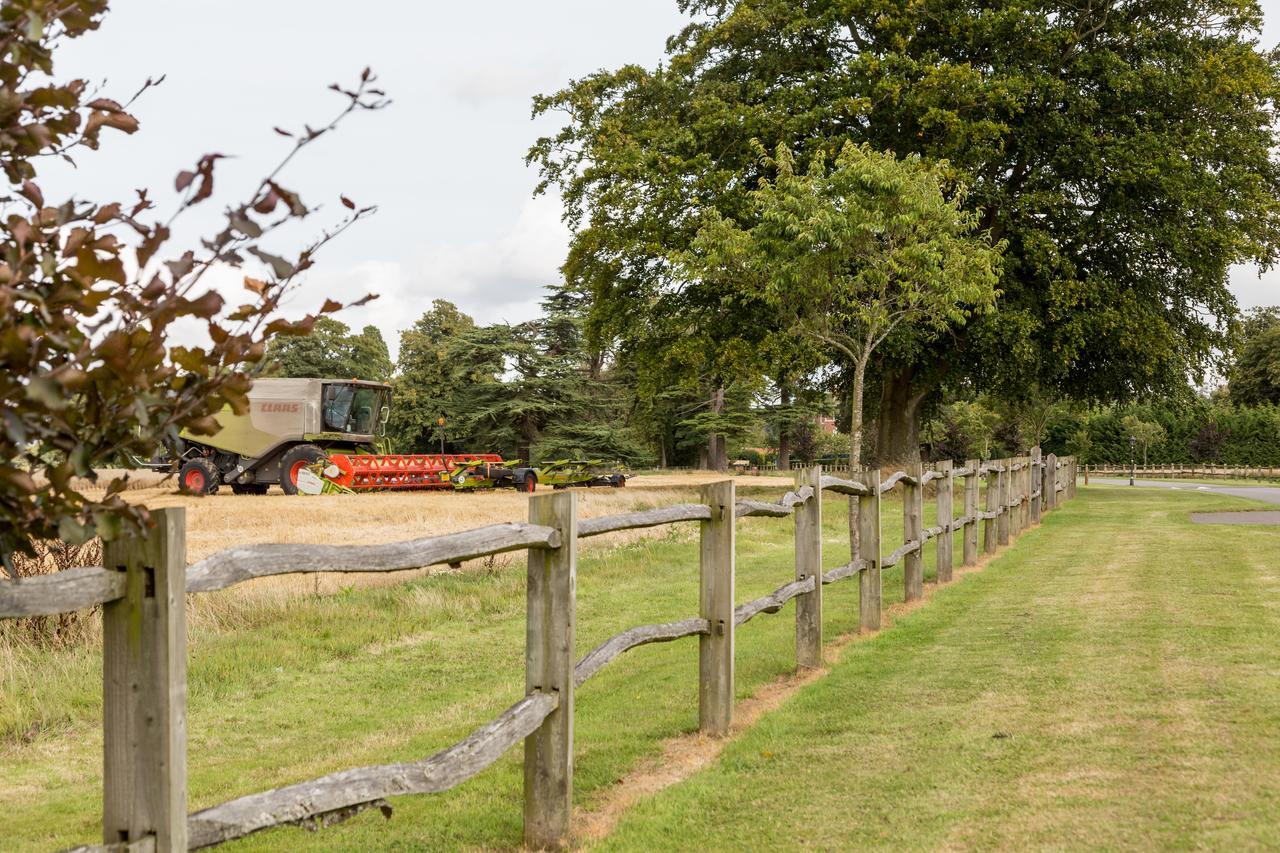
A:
x: 1190, y: 471
x: 145, y: 580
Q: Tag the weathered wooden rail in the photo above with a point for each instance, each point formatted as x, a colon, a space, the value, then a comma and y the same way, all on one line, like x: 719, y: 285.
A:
x: 145, y: 580
x: 1188, y: 471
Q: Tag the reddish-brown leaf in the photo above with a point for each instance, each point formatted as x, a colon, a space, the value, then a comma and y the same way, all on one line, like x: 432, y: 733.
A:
x: 268, y: 202
x: 106, y: 213
x: 154, y: 288
x: 33, y: 194
x: 206, y: 305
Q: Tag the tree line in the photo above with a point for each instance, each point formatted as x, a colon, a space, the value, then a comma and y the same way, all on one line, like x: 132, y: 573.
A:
x: 536, y: 391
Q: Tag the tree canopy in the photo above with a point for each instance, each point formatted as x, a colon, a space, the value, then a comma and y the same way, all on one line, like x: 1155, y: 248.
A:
x: 331, y: 351
x: 1255, y: 377
x: 530, y: 391
x: 849, y: 254
x: 1123, y: 153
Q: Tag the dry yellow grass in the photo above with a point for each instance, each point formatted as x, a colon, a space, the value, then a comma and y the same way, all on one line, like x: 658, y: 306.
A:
x: 224, y: 520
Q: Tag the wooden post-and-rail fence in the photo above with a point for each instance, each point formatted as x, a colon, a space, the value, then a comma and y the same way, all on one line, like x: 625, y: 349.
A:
x: 145, y: 580
x: 1185, y: 470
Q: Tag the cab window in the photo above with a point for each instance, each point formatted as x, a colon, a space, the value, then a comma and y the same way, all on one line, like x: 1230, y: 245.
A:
x: 350, y: 408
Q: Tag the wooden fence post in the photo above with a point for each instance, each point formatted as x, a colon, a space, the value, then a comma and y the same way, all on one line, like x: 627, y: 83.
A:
x: 1029, y: 487
x: 913, y: 531
x: 1016, y: 498
x: 946, y: 484
x: 989, y: 525
x: 549, y: 660
x: 715, y: 650
x: 144, y: 696
x: 1050, y: 482
x: 869, y: 588
x: 1071, y: 482
x: 1015, y: 486
x: 1033, y: 483
x: 1002, y: 506
x: 1024, y: 489
x: 971, y: 484
x: 809, y: 564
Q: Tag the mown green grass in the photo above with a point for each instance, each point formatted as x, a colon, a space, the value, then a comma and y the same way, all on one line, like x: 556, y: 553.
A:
x: 393, y: 674
x: 1112, y: 682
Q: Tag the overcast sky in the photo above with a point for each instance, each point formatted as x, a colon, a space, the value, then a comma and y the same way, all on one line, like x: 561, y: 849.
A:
x: 444, y: 163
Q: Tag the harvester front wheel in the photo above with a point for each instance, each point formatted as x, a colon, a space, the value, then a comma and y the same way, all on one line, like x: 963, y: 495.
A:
x: 199, y: 476
x: 530, y: 483
x: 295, y: 459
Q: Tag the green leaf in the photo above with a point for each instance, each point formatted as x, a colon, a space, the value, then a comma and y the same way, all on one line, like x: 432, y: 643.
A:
x: 47, y: 392
x: 70, y: 530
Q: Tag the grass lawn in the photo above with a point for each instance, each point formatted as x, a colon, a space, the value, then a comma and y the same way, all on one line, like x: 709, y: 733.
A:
x: 1113, y: 681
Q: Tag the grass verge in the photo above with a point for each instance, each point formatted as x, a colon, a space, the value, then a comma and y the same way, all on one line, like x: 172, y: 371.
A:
x: 1111, y: 682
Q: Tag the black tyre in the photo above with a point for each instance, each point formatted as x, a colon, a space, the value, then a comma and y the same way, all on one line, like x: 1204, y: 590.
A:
x: 530, y: 483
x: 199, y: 476
x: 295, y: 459
x: 249, y: 488
x: 617, y: 480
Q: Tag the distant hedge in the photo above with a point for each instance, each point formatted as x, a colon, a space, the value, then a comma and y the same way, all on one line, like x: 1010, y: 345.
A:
x: 1200, y: 432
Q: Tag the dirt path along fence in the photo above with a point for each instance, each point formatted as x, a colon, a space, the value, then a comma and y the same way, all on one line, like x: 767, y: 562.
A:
x: 143, y: 585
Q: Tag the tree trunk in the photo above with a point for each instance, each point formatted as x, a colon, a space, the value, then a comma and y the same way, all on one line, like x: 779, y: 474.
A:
x: 784, y: 428
x: 528, y: 437
x: 662, y: 451
x: 855, y: 447
x: 716, y: 451
x: 898, y: 437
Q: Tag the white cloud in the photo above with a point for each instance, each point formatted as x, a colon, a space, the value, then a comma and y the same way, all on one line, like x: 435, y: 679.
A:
x: 493, y: 280
x: 487, y: 82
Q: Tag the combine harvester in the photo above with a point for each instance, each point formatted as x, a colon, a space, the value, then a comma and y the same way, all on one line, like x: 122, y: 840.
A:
x: 318, y: 435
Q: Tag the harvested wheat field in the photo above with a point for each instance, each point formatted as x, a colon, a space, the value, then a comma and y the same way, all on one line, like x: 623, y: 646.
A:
x: 224, y: 519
